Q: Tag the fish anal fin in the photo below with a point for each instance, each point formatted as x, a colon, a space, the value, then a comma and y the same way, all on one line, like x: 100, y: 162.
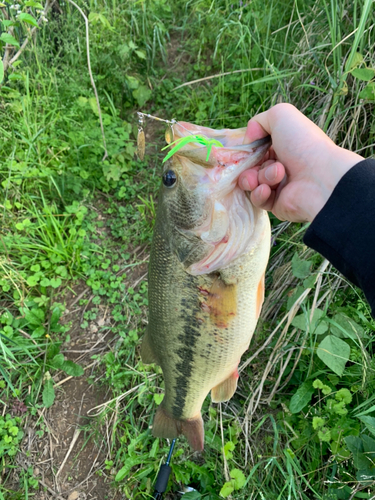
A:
x: 225, y: 390
x: 165, y: 426
x: 147, y: 353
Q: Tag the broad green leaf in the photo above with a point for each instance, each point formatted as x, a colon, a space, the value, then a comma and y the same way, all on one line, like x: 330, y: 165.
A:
x: 239, y: 478
x: 6, y: 23
x: 369, y: 423
x: 356, y: 61
x: 7, y: 38
x: 8, y: 330
x: 158, y: 398
x: 55, y: 317
x: 344, y: 327
x: 40, y: 331
x: 55, y: 282
x: 35, y: 316
x: 48, y: 393
x: 45, y: 282
x: 227, y: 489
x: 318, y: 324
x: 142, y: 94
x: 228, y: 448
x: 368, y: 92
x: 61, y: 271
x: 121, y: 473
x: 95, y: 17
x: 130, y: 462
x: 295, y: 295
x: 366, y: 477
x: 15, y: 76
x: 72, y: 369
x: 300, y: 267
x: 1, y: 72
x: 310, y: 281
x: 54, y: 349
x: 369, y: 446
x: 192, y: 495
x: 302, y: 397
x: 132, y: 82
x: 33, y: 280
x: 27, y: 18
x: 354, y: 444
x: 154, y: 448
x: 6, y: 318
x: 334, y: 352
x: 58, y: 361
x: 94, y: 105
x: 82, y: 101
x: 141, y: 55
x: 31, y: 3
x: 364, y: 74
x: 112, y: 172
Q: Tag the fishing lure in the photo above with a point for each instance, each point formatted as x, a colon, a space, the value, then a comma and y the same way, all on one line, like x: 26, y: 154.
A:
x: 201, y: 139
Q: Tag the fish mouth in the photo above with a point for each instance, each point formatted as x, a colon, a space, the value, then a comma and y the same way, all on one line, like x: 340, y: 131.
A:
x: 265, y: 141
x: 231, y: 227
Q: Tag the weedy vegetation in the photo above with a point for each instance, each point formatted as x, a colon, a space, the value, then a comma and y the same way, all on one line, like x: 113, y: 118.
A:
x: 77, y: 210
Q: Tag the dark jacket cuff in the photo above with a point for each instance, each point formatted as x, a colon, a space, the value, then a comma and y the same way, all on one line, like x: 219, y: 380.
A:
x: 344, y: 230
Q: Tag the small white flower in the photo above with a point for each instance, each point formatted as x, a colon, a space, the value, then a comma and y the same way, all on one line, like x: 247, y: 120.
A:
x: 19, y: 11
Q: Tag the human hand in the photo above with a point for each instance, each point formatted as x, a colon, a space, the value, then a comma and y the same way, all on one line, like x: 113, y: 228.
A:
x: 301, y: 169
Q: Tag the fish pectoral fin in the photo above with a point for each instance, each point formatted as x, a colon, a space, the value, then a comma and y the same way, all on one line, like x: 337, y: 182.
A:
x: 225, y: 390
x: 147, y: 353
x: 165, y: 426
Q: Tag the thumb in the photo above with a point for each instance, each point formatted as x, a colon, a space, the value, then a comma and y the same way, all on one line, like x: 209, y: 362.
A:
x: 257, y: 128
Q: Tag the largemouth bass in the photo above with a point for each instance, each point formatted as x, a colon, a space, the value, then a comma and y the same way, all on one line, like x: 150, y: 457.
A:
x: 206, y: 276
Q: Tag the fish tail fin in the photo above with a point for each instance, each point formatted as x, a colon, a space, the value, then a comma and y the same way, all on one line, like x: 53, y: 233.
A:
x: 193, y: 430
x: 165, y: 426
x: 147, y: 353
x: 225, y: 390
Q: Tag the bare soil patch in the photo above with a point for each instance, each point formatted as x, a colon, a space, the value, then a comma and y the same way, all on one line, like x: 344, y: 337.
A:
x: 69, y: 458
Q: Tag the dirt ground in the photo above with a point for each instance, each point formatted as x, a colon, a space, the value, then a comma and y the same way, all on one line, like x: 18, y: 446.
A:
x: 69, y: 459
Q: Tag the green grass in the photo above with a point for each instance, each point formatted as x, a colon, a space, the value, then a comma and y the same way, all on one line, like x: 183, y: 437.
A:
x: 67, y: 216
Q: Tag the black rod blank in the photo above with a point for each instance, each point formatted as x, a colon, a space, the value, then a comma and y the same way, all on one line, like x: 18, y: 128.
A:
x: 163, y: 476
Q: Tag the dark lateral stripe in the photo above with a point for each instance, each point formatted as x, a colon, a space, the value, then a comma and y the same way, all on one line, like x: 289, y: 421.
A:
x: 188, y: 339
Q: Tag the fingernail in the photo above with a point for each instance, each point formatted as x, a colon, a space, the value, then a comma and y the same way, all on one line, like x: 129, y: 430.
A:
x: 271, y: 173
x: 245, y: 184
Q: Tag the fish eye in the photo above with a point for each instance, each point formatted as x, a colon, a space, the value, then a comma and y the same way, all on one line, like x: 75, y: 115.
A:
x: 169, y: 179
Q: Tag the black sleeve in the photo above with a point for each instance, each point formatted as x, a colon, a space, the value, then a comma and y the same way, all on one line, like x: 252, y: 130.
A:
x: 344, y: 230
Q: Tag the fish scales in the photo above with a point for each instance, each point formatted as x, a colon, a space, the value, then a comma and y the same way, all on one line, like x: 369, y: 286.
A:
x: 205, y: 296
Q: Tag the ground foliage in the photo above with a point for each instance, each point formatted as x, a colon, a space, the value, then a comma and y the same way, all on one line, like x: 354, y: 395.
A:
x: 68, y: 215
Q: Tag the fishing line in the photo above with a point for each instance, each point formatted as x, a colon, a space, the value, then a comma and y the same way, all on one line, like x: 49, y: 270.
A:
x: 163, y: 476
